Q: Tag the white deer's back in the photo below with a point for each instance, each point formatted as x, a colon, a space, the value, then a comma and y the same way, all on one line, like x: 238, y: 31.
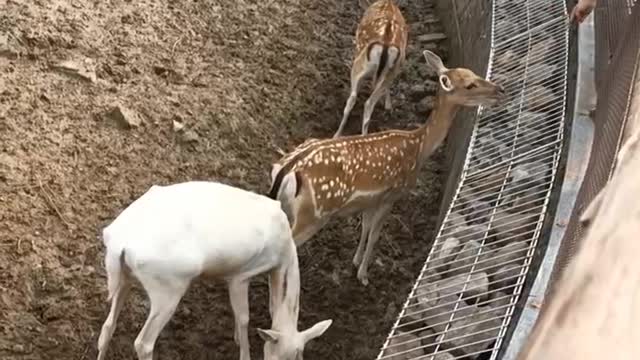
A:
x: 199, y: 227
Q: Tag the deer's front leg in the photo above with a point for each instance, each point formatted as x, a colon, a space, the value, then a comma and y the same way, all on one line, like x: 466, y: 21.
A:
x: 377, y: 221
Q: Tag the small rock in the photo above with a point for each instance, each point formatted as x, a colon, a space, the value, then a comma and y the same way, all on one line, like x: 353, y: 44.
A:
x: 498, y: 256
x: 19, y: 349
x: 498, y: 300
x: 466, y: 257
x: 539, y: 51
x: 177, y: 126
x: 473, y: 334
x: 431, y: 86
x: 539, y: 73
x: 507, y: 59
x: 189, y: 136
x: 417, y: 91
x: 425, y: 104
x: 506, y: 276
x: 477, y: 286
x: 426, y: 38
x: 6, y: 50
x: 538, y: 97
x: 435, y: 309
x: 427, y: 337
x: 444, y: 254
x: 84, y: 69
x: 513, y: 227
x: 125, y: 116
x: 404, y: 342
x: 426, y: 72
x: 455, y: 219
x: 467, y: 233
x: 442, y: 356
x: 477, y: 211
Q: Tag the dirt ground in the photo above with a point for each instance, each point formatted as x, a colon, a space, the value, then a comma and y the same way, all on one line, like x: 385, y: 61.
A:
x: 244, y: 78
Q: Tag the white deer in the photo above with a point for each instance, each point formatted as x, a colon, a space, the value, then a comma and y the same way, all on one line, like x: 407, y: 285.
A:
x: 381, y: 43
x: 174, y: 234
x: 369, y: 173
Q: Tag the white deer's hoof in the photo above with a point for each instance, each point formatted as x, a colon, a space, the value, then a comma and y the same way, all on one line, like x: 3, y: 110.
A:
x: 364, y: 279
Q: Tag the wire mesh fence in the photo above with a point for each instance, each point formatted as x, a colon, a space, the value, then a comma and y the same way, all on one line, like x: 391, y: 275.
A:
x: 465, y: 295
x: 617, y: 29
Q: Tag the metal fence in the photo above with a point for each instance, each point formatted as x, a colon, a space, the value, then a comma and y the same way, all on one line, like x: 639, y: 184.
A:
x: 617, y: 30
x: 465, y: 296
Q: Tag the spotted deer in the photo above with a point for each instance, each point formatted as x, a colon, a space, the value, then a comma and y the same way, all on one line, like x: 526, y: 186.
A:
x: 381, y: 41
x: 368, y: 173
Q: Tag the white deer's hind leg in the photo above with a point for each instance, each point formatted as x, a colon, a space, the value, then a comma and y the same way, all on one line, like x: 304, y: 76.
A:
x: 109, y: 325
x: 374, y: 233
x: 367, y: 215
x: 164, y: 296
x: 239, y: 297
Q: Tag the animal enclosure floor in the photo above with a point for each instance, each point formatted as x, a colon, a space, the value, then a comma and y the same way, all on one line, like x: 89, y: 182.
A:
x: 218, y: 87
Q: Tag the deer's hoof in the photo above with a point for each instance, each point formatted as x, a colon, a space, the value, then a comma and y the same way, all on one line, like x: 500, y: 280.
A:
x: 364, y: 279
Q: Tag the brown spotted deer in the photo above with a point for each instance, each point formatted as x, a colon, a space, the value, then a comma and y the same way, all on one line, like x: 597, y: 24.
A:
x: 368, y: 173
x: 381, y: 41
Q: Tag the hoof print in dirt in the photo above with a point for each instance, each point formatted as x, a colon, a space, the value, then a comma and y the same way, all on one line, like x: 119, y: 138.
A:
x: 124, y: 116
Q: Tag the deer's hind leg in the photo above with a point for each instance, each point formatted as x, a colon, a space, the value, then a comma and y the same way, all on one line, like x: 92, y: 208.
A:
x: 164, y: 296
x: 377, y: 221
x: 381, y: 87
x: 109, y: 326
x: 367, y: 216
x: 360, y: 69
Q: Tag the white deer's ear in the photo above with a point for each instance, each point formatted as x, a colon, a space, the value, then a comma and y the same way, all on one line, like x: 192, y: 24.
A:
x: 445, y: 82
x: 269, y: 335
x: 316, y: 330
x: 434, y: 61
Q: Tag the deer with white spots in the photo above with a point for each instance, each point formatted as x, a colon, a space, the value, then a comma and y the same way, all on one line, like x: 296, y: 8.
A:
x: 381, y: 42
x: 368, y: 173
x: 174, y: 234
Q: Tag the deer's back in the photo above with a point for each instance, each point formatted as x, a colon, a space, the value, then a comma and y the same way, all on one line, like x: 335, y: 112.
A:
x: 382, y: 23
x: 199, y: 227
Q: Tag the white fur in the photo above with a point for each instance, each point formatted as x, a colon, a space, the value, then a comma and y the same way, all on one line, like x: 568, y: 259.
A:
x: 173, y: 234
x: 445, y: 82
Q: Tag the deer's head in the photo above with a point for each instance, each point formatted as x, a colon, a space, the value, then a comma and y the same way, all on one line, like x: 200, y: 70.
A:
x: 288, y: 344
x: 462, y: 86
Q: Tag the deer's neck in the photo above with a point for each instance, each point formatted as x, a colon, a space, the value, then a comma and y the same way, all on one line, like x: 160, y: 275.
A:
x: 286, y: 313
x: 435, y: 130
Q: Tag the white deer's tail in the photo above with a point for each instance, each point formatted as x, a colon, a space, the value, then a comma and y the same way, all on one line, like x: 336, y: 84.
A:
x: 114, y: 264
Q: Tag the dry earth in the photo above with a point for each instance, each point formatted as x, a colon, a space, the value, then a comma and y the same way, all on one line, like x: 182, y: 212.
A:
x: 244, y: 78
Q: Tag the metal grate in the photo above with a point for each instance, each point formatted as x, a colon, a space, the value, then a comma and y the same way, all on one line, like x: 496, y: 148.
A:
x: 615, y: 81
x: 463, y: 300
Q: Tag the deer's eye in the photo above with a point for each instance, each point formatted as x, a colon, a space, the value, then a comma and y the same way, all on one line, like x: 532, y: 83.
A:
x: 471, y: 86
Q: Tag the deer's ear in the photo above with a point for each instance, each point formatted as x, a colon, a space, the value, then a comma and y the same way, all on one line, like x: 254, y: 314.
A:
x: 434, y: 61
x: 445, y: 82
x: 316, y: 330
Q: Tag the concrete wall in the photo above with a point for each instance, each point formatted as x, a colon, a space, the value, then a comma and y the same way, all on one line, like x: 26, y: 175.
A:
x: 467, y: 24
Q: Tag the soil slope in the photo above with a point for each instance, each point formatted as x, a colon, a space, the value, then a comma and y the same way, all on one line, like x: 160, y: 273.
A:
x: 241, y: 79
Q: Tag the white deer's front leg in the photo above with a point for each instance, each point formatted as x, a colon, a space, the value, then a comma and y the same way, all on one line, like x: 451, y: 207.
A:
x: 239, y: 297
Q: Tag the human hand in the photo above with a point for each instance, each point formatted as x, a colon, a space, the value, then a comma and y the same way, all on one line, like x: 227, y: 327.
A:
x: 582, y: 9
